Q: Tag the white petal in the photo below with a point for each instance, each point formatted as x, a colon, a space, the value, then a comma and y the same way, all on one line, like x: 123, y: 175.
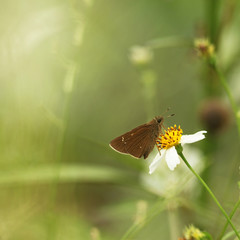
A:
x: 193, y: 137
x: 172, y: 158
x: 156, y: 161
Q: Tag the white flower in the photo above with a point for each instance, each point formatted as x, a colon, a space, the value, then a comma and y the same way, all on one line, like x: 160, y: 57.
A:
x: 169, y: 184
x: 166, y: 144
x: 140, y: 55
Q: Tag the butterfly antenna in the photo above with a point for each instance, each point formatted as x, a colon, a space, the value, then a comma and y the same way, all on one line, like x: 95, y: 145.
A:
x: 171, y: 115
x: 167, y: 111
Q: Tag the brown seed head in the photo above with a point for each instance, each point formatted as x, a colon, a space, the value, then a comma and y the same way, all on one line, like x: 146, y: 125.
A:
x: 214, y: 115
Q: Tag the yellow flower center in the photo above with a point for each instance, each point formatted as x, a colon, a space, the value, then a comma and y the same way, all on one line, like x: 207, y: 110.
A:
x: 170, y: 138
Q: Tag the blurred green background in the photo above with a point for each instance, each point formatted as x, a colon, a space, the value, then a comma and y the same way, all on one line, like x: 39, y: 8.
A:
x: 68, y: 86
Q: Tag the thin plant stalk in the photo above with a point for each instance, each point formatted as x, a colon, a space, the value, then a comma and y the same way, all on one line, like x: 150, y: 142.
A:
x: 230, y: 216
x: 169, y: 42
x: 180, y: 153
x: 136, y: 227
x: 212, y: 19
x: 229, y: 94
x: 62, y: 138
x: 173, y: 223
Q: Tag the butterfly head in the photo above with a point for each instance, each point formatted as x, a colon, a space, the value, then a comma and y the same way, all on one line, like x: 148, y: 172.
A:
x: 159, y: 119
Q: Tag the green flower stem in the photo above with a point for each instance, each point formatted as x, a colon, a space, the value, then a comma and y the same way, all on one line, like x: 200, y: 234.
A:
x: 180, y: 153
x: 174, y: 232
x: 228, y: 92
x: 136, y: 227
x: 149, y: 80
x: 212, y: 18
x: 230, y: 216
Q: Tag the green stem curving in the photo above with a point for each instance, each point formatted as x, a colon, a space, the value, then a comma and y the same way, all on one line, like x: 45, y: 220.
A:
x: 180, y: 153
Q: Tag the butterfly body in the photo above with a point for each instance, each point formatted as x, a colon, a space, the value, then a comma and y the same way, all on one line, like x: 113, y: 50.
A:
x: 140, y: 141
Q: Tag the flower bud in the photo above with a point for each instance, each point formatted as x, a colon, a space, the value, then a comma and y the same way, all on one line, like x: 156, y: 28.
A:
x: 204, y: 48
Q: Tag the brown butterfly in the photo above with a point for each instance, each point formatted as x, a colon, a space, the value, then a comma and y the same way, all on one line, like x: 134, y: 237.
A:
x: 139, y: 141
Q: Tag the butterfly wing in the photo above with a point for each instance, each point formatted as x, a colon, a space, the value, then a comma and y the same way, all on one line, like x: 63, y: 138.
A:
x: 138, y: 142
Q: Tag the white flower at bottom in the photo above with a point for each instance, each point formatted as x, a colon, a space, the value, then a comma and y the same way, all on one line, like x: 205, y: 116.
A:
x: 166, y: 144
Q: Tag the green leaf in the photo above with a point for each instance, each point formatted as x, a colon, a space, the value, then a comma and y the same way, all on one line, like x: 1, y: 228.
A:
x: 64, y: 173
